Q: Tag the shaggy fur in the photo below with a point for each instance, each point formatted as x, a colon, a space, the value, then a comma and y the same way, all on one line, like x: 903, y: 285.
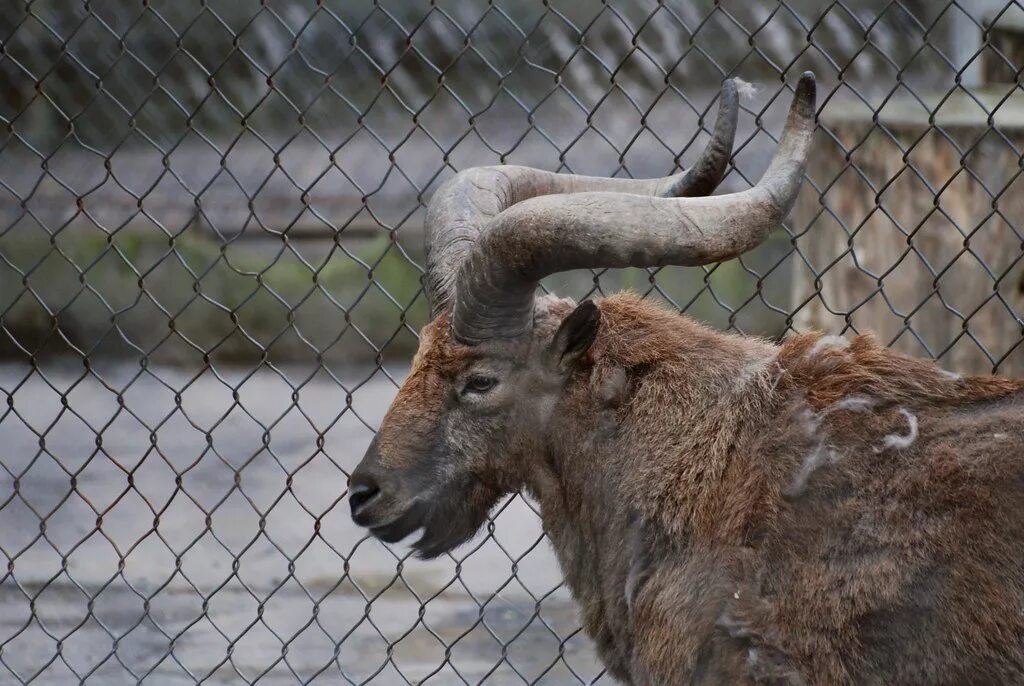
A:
x: 730, y: 511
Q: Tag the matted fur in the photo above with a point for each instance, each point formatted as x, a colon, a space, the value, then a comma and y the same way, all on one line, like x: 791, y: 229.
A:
x: 726, y: 510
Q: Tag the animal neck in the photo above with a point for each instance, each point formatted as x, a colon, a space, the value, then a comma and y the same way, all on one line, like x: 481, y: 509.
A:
x: 644, y: 443
x: 654, y: 428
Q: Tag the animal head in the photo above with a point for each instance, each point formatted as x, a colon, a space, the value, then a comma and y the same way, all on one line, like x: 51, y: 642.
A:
x: 493, y: 364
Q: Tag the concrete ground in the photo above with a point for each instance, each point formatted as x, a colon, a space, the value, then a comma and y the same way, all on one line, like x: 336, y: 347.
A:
x: 171, y: 528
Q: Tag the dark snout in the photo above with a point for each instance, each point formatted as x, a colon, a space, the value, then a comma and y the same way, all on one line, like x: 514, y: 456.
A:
x: 364, y: 486
x: 362, y: 491
x: 377, y: 501
x: 394, y: 500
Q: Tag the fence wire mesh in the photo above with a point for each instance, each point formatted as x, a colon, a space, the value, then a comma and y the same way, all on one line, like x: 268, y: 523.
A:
x: 210, y: 252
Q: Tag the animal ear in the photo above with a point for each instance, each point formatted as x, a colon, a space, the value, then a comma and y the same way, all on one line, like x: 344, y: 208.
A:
x: 575, y: 335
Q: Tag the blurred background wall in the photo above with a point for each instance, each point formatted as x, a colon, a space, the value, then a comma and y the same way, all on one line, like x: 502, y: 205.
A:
x: 185, y: 181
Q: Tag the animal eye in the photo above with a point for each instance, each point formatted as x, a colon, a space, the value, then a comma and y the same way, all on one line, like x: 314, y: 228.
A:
x: 479, y: 384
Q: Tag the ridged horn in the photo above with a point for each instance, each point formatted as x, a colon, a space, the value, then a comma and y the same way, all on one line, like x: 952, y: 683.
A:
x: 464, y: 206
x: 604, y: 227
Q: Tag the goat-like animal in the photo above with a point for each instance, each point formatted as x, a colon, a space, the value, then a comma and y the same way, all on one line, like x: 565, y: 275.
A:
x: 724, y: 510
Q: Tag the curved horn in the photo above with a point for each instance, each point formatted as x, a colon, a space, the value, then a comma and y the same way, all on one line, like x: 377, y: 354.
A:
x: 544, y: 235
x: 462, y: 207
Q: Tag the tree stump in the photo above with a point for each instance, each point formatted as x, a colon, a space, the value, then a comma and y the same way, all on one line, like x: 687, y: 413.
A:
x: 914, y: 228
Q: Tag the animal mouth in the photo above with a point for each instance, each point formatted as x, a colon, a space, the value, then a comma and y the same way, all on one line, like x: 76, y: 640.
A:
x: 434, y: 539
x: 442, y: 523
x: 398, y: 527
x: 392, y: 527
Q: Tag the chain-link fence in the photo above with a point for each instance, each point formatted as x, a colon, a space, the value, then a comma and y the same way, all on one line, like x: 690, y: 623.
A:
x: 210, y: 252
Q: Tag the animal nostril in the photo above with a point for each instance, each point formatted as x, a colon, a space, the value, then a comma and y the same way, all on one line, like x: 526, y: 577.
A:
x: 360, y: 494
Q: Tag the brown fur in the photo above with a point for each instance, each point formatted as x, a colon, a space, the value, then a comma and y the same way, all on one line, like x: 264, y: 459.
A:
x: 730, y: 511
x: 414, y: 411
x: 866, y: 367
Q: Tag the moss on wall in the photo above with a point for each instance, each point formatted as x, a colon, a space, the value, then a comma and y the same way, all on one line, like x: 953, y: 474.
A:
x: 169, y: 300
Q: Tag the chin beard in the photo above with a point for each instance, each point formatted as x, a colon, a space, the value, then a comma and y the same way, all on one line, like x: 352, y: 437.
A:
x: 454, y: 517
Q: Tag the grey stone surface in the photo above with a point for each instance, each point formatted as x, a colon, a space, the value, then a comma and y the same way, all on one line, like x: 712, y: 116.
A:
x: 198, y: 529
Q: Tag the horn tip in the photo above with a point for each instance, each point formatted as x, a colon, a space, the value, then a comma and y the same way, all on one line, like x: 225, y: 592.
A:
x: 807, y: 86
x: 730, y: 95
x: 806, y: 96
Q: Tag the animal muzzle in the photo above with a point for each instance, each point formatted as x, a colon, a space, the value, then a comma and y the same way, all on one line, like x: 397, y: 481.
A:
x: 379, y: 506
x: 363, y: 492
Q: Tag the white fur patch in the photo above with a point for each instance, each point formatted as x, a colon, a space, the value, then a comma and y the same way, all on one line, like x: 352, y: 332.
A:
x: 900, y: 441
x: 746, y: 89
x: 854, y: 403
x: 810, y: 421
x: 1000, y: 436
x: 952, y: 376
x: 751, y: 370
x: 542, y: 306
x: 821, y: 455
x: 829, y: 342
x: 632, y: 581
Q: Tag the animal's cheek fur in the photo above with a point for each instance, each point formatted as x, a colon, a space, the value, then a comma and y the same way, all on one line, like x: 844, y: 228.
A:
x: 464, y: 442
x: 476, y: 447
x: 412, y: 422
x: 406, y: 435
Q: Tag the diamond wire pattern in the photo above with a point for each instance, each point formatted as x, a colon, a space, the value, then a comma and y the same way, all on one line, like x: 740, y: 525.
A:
x: 210, y: 250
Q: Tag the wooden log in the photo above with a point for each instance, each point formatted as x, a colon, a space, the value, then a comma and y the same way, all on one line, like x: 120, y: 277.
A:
x: 917, y: 229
